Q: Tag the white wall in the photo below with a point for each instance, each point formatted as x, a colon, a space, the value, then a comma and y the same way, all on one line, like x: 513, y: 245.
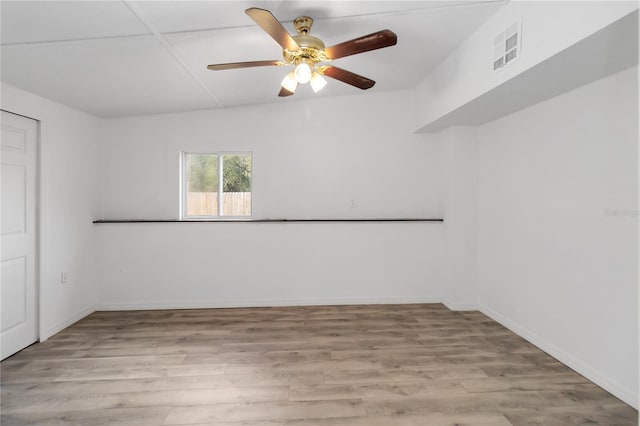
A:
x: 460, y: 175
x: 558, y: 228
x: 311, y: 159
x: 68, y: 204
x: 190, y: 265
x: 350, y: 157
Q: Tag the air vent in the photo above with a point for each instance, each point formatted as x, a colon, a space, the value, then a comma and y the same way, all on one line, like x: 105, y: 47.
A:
x: 506, y: 46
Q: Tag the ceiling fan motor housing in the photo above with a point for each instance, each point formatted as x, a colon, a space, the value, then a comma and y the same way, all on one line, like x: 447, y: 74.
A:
x: 311, y: 49
x: 303, y: 24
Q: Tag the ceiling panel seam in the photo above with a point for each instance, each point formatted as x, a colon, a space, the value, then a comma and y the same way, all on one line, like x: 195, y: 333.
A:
x: 75, y: 40
x: 158, y: 35
x: 414, y: 11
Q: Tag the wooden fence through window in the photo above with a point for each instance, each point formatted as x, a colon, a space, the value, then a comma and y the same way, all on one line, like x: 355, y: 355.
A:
x: 206, y: 203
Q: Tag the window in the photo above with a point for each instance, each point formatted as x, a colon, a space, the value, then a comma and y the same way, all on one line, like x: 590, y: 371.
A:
x: 202, y: 184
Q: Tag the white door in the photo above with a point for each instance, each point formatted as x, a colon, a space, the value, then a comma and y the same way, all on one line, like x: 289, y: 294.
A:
x: 19, y: 233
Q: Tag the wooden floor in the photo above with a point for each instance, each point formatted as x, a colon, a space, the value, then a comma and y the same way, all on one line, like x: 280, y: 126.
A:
x: 404, y: 365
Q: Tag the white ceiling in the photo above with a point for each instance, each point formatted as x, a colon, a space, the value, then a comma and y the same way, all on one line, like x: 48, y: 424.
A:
x: 114, y: 58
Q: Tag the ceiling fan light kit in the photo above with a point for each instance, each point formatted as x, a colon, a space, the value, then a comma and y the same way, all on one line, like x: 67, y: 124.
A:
x: 289, y: 82
x: 309, y: 55
x: 303, y: 72
x: 317, y: 82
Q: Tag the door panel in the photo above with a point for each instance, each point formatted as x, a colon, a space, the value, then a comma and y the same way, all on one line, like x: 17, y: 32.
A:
x: 18, y: 267
x: 14, y: 288
x: 14, y: 184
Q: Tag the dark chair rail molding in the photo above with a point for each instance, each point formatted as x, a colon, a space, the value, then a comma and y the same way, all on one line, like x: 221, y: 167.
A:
x: 267, y: 220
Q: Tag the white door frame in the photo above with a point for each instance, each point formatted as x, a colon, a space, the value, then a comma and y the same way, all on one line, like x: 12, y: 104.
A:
x: 38, y: 223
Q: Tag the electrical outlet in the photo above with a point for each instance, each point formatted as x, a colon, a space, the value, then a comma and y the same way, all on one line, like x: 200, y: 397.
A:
x: 63, y: 277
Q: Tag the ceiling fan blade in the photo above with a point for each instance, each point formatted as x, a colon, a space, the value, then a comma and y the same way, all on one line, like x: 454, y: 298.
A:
x: 273, y: 27
x: 384, y: 38
x: 284, y: 93
x: 348, y: 77
x: 234, y: 65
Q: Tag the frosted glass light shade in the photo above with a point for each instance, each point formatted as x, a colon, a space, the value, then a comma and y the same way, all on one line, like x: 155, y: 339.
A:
x: 289, y: 82
x: 302, y: 73
x: 317, y: 82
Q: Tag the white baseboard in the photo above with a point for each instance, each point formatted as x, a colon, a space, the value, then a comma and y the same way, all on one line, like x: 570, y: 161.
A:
x: 58, y: 327
x: 254, y: 303
x: 455, y: 306
x: 627, y: 395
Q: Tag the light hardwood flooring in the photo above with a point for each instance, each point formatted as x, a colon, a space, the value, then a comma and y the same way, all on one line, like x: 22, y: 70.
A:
x: 381, y: 365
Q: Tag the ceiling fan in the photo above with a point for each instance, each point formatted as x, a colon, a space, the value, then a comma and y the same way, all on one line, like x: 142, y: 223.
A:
x: 309, y: 55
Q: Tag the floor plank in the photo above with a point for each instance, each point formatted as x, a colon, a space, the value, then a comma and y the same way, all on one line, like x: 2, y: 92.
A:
x: 369, y: 365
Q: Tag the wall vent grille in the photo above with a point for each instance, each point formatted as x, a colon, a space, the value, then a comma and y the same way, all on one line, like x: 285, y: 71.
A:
x: 506, y: 46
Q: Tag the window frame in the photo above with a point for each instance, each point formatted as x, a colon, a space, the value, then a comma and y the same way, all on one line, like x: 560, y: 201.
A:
x: 183, y: 185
